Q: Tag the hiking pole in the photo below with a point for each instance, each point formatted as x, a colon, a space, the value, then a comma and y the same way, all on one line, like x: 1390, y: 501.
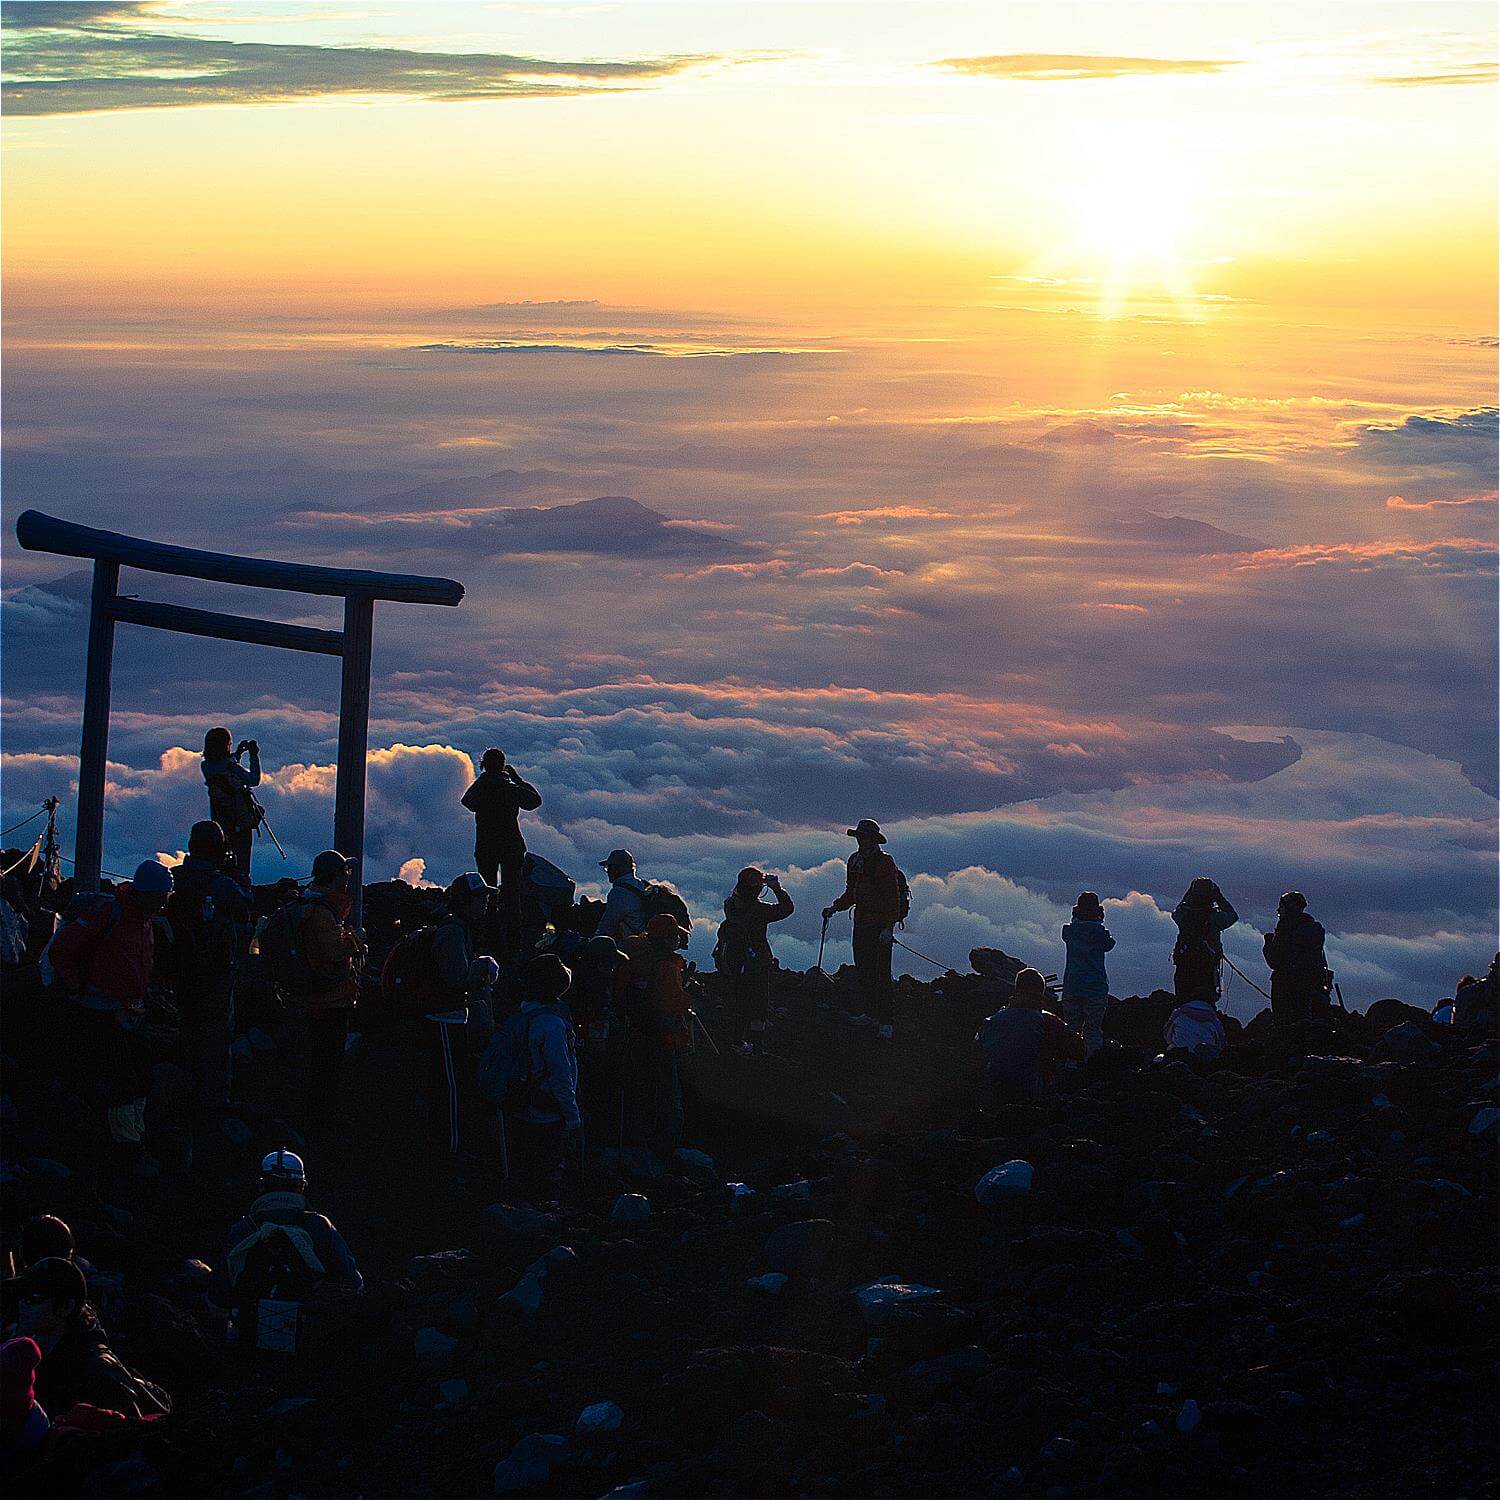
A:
x: 265, y: 823
x: 821, y: 941
x: 704, y: 1029
x: 504, y: 1148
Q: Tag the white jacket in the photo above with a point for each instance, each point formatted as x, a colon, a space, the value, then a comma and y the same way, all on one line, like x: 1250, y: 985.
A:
x: 1196, y: 1028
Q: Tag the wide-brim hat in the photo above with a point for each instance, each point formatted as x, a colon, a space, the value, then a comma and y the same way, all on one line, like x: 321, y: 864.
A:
x: 664, y: 924
x: 866, y: 828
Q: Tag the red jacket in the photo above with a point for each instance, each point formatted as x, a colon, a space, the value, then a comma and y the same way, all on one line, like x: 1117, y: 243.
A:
x: 107, y: 955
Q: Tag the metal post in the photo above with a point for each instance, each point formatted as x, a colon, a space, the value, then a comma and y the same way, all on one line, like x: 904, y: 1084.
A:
x: 88, y: 846
x: 354, y: 737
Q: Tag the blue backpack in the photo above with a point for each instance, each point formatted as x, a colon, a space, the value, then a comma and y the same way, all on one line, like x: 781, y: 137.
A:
x: 506, y: 1075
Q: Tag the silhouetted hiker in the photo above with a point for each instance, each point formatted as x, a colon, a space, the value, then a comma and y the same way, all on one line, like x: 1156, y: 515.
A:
x: 1476, y: 1002
x: 1023, y: 1044
x: 496, y: 798
x: 657, y: 1005
x: 105, y: 955
x: 876, y: 889
x: 77, y: 1364
x: 458, y: 977
x: 1085, y: 986
x: 209, y: 914
x: 1201, y: 916
x: 1300, y: 981
x: 593, y: 1003
x: 624, y: 913
x: 743, y: 951
x: 281, y: 1252
x: 1196, y: 1028
x: 231, y: 802
x: 541, y: 1063
x: 316, y: 959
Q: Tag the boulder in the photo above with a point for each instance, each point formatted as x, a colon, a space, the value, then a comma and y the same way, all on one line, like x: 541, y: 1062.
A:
x: 432, y: 1346
x: 881, y: 1301
x: 1406, y: 1043
x: 1011, y: 1179
x: 801, y: 1247
x: 629, y: 1208
x: 530, y: 1463
x: 772, y: 1282
x: 600, y: 1418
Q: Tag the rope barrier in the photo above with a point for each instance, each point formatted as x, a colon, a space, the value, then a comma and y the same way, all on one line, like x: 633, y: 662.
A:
x: 1248, y: 980
x: 30, y: 855
x: 6, y: 832
x: 924, y: 957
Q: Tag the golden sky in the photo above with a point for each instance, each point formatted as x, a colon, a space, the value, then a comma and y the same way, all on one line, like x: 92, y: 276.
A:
x: 1326, y: 160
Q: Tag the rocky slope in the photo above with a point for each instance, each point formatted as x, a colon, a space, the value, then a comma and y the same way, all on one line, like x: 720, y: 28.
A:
x: 1270, y: 1277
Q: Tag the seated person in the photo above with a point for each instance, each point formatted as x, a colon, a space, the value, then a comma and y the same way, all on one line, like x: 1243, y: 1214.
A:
x: 77, y: 1364
x: 1023, y: 1044
x: 1197, y: 1029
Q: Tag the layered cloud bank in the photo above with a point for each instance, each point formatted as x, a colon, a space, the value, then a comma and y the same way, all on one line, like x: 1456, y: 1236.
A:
x: 1056, y: 631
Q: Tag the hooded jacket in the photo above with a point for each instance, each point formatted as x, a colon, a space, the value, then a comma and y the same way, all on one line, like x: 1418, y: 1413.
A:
x: 553, y: 1064
x: 1197, y: 1028
x: 1087, y: 941
x: 290, y: 1211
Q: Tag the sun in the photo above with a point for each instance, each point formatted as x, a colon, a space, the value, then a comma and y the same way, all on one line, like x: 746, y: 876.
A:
x: 1131, y: 218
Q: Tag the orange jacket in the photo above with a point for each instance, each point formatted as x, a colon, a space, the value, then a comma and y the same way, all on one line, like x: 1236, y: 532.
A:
x: 873, y: 890
x: 651, y: 988
x: 333, y: 954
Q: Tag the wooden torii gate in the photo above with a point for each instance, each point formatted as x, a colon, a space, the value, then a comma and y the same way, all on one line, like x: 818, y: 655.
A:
x: 358, y: 588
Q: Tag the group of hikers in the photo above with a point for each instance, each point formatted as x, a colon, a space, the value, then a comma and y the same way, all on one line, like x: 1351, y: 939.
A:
x: 534, y: 1030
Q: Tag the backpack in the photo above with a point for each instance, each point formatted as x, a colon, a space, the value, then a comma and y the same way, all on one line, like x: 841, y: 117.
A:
x: 268, y: 1296
x: 406, y: 988
x: 506, y: 1074
x: 204, y: 943
x: 661, y: 900
x: 281, y: 948
x: 66, y: 946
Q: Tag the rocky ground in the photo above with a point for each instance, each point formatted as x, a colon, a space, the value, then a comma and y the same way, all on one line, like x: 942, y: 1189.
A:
x: 1272, y: 1277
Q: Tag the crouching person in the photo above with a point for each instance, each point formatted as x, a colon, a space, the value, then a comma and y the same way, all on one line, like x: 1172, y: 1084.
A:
x: 279, y: 1257
x: 531, y: 1069
x: 77, y: 1365
x: 1023, y: 1044
x: 1197, y: 1029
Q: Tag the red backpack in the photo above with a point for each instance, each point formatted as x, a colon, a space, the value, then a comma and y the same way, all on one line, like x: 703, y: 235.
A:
x: 406, y: 988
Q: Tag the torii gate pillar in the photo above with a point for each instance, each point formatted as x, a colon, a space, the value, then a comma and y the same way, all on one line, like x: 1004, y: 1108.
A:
x: 358, y: 588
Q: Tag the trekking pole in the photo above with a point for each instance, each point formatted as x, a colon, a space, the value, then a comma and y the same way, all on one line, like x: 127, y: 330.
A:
x: 504, y: 1148
x: 704, y: 1029
x: 821, y: 941
x: 265, y: 823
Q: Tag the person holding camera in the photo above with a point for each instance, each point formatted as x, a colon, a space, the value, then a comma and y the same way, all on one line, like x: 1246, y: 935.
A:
x: 1202, y: 916
x: 231, y: 802
x: 496, y: 799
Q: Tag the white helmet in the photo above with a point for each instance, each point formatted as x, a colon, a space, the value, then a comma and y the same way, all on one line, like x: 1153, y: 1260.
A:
x: 283, y: 1169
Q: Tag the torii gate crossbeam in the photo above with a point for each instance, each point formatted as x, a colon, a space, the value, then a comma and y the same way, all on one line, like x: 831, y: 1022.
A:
x: 359, y: 589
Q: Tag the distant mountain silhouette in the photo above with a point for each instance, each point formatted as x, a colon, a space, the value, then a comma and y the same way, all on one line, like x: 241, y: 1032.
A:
x: 1177, y: 533
x: 611, y: 525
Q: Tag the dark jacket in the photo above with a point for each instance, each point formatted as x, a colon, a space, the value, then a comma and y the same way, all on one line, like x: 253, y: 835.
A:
x: 209, y: 914
x: 1022, y: 1048
x: 231, y: 803
x: 1200, y: 946
x: 743, y: 939
x: 496, y: 799
x: 875, y: 888
x: 1294, y: 954
x: 81, y: 1367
